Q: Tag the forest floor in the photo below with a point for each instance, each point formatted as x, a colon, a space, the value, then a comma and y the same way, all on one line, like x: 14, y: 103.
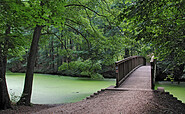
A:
x: 113, y: 102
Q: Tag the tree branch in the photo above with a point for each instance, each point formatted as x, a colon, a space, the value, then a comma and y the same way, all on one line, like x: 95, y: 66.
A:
x: 80, y: 34
x: 58, y: 39
x: 78, y: 23
x: 85, y: 7
x: 90, y: 21
x: 61, y: 43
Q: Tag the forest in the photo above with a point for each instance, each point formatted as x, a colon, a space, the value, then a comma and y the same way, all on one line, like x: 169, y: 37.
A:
x: 86, y: 37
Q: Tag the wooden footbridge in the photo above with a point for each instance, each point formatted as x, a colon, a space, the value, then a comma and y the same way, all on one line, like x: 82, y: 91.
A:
x: 132, y: 73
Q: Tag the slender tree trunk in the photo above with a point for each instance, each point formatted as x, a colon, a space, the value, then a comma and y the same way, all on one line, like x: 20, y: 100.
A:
x: 71, y: 47
x: 46, y: 64
x: 52, y: 56
x: 58, y: 60
x: 26, y: 95
x: 4, y: 97
x: 62, y: 57
x: 66, y: 44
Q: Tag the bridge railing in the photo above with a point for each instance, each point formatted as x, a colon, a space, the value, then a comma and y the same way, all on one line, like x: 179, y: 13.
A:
x: 126, y: 66
x: 153, y: 71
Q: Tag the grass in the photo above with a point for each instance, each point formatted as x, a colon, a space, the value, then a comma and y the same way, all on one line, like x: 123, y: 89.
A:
x: 175, y: 89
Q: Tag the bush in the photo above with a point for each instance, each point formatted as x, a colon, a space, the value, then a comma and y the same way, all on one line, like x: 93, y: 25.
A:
x: 85, y: 68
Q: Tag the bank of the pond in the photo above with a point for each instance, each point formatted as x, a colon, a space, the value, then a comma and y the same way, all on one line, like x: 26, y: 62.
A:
x: 53, y: 89
x: 175, y: 89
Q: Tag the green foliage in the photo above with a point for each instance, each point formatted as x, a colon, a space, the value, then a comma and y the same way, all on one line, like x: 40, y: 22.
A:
x: 12, y: 42
x: 86, y: 68
x: 160, y: 23
x: 89, y: 32
x: 40, y: 12
x: 170, y: 77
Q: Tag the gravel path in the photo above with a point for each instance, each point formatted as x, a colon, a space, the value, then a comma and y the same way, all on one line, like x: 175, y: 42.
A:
x: 122, y: 102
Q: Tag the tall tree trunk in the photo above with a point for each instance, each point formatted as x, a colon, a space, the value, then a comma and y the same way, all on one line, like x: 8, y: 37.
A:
x: 26, y: 95
x: 4, y: 97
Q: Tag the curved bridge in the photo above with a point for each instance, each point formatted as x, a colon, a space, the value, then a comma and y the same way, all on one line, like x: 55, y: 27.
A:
x: 134, y: 74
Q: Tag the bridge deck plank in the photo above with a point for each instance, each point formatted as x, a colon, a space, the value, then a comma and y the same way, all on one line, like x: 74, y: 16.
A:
x: 139, y: 79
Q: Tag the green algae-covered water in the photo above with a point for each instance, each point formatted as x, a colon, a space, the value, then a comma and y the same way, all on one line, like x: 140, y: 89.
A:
x: 175, y: 89
x: 53, y: 89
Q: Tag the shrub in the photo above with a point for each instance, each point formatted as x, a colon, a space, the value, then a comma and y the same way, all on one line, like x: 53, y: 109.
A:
x: 85, y: 68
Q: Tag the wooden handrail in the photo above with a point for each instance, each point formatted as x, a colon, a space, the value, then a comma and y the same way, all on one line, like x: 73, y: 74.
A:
x: 153, y: 71
x: 126, y: 66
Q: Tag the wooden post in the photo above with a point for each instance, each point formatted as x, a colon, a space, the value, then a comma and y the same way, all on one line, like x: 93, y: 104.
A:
x: 153, y: 72
x: 117, y: 76
x: 144, y: 61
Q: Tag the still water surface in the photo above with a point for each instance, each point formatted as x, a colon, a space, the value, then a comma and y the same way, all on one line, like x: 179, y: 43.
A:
x: 53, y: 89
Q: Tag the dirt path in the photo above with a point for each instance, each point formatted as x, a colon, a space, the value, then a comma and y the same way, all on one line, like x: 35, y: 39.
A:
x: 122, y: 102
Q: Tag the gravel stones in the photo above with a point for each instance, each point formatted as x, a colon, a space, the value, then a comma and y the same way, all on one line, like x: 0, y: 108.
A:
x: 123, y: 102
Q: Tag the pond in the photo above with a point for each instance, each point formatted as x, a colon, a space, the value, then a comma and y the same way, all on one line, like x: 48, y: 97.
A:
x: 174, y: 89
x: 53, y: 89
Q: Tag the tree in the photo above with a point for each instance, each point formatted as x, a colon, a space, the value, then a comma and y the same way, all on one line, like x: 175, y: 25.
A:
x: 11, y: 41
x: 103, y: 41
x: 42, y: 13
x: 160, y: 23
x: 9, y: 46
x: 89, y: 34
x: 4, y: 97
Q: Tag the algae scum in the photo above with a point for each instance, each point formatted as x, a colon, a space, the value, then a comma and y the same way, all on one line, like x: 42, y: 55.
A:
x: 53, y: 89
